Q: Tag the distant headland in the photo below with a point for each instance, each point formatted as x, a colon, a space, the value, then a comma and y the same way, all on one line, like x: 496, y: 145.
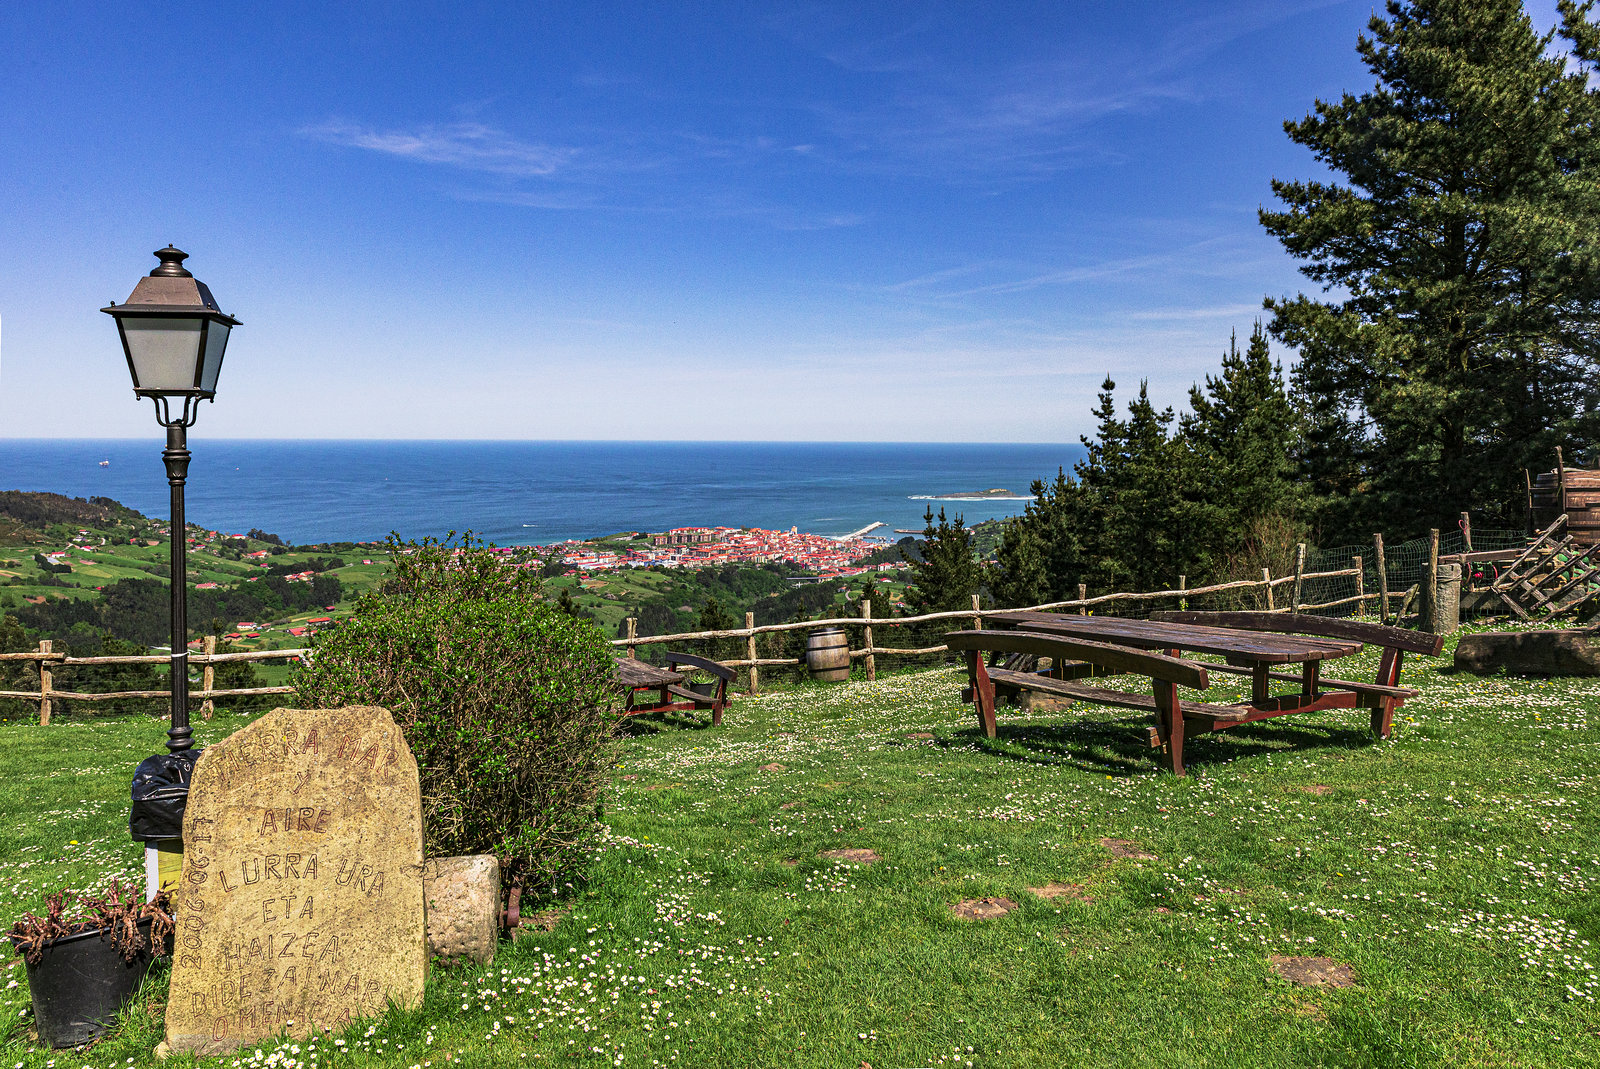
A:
x: 995, y: 494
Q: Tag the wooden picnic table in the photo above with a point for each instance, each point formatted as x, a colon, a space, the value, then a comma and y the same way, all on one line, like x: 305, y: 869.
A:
x: 673, y: 690
x: 1249, y: 643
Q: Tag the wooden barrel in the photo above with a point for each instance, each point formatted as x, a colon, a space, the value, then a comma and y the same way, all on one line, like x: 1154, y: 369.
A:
x: 828, y: 654
x: 1583, y: 503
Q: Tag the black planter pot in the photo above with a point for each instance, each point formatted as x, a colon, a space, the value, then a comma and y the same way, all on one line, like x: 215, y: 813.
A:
x: 79, y: 985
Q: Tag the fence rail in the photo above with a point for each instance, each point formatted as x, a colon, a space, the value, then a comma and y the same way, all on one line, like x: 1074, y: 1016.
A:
x: 47, y: 660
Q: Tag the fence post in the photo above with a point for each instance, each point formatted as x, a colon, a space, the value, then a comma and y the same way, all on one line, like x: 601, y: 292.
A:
x: 633, y: 633
x: 1561, y: 478
x: 1466, y: 530
x: 866, y: 639
x: 1429, y: 594
x: 750, y: 652
x: 1183, y: 584
x: 1383, y: 579
x: 1266, y: 578
x: 1083, y: 595
x: 1299, y: 575
x: 1361, y: 586
x: 977, y: 621
x: 46, y: 681
x: 208, y: 677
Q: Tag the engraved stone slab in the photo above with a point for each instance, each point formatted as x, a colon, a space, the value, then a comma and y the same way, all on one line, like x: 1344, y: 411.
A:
x: 463, y: 907
x: 301, y: 902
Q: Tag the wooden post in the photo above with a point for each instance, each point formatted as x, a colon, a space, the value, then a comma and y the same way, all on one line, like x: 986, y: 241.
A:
x: 1561, y: 478
x: 750, y: 652
x: 46, y: 681
x: 208, y: 677
x: 866, y: 639
x: 1299, y: 575
x: 977, y: 621
x: 1383, y: 579
x: 1083, y: 594
x: 1528, y: 479
x: 1183, y: 584
x: 1361, y: 586
x: 633, y: 633
x: 1429, y: 594
x: 1266, y: 579
x: 1466, y: 530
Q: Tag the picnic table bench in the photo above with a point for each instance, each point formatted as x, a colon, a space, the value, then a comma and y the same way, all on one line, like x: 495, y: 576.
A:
x: 1250, y: 644
x: 673, y: 691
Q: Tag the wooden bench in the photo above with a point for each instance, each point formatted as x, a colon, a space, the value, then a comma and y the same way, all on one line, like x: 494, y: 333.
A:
x: 673, y: 690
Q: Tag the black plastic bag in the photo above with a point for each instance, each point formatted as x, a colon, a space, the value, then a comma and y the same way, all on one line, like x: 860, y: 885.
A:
x: 160, y: 793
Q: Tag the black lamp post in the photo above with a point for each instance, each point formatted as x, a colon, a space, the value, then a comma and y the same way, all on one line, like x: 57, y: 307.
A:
x: 173, y: 335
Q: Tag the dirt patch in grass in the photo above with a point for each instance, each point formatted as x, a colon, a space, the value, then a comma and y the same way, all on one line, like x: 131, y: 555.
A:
x: 1072, y: 892
x: 1313, y: 972
x: 1316, y: 788
x: 774, y: 767
x: 978, y: 909
x: 545, y: 920
x: 1125, y: 849
x: 853, y: 853
x: 920, y: 735
x: 791, y: 805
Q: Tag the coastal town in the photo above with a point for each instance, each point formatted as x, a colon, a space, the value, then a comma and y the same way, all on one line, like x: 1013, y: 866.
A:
x: 702, y: 547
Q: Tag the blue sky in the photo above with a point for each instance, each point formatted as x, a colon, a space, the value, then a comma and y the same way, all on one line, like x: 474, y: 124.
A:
x: 898, y: 222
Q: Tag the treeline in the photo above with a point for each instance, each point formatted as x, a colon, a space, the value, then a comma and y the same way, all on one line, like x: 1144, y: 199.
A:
x: 139, y: 610
x: 38, y: 509
x: 1211, y: 495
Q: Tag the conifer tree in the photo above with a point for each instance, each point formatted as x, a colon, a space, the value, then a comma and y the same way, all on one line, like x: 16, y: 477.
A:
x: 1456, y: 342
x: 948, y: 574
x: 1239, y: 438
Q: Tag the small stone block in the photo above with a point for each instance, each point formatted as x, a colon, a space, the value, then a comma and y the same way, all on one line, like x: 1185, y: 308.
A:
x: 463, y: 895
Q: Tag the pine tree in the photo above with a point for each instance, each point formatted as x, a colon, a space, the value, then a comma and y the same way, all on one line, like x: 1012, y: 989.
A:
x: 1461, y: 244
x: 1238, y: 439
x: 948, y: 574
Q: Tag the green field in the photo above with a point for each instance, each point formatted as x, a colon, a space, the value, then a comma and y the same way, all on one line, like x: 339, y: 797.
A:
x: 1455, y: 870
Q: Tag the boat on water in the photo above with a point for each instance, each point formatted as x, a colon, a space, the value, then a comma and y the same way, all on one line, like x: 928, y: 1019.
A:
x: 105, y: 463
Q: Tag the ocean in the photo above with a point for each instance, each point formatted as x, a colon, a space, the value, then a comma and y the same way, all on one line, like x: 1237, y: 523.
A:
x: 523, y: 493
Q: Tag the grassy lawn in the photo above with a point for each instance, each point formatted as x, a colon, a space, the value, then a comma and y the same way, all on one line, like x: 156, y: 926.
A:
x: 1454, y: 869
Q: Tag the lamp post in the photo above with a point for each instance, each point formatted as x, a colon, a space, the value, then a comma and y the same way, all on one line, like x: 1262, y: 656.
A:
x: 173, y: 335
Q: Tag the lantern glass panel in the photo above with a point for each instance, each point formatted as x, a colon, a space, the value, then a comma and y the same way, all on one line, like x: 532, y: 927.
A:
x: 216, y: 341
x: 163, y: 351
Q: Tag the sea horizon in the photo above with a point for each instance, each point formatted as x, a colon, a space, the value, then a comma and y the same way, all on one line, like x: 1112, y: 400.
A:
x: 540, y: 491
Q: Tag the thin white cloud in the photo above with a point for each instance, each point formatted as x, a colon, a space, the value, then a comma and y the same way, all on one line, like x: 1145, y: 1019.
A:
x: 469, y: 145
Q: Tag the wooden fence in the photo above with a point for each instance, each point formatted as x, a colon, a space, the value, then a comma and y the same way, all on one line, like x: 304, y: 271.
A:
x: 1266, y: 587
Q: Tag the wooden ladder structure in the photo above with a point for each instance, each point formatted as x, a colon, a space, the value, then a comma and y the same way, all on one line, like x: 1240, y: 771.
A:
x: 1552, y: 577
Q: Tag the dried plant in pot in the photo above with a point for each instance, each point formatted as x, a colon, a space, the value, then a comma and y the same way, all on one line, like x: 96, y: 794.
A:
x: 86, y: 955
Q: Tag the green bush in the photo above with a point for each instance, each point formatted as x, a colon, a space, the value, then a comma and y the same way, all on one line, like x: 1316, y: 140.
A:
x: 506, y: 702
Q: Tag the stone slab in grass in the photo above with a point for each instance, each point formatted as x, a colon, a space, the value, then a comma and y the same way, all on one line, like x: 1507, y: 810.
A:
x: 1531, y: 653
x: 853, y: 853
x: 1125, y: 849
x: 1313, y: 972
x: 981, y: 909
